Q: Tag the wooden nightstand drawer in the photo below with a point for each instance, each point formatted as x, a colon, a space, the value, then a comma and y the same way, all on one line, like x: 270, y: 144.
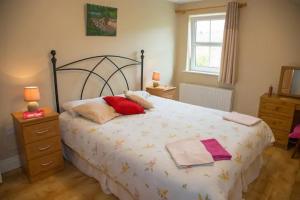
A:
x: 40, y: 131
x: 45, y: 163
x: 168, y: 95
x: 44, y: 147
x: 279, y: 124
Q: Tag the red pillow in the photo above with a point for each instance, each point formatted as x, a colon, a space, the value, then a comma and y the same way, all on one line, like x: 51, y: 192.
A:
x: 123, y: 105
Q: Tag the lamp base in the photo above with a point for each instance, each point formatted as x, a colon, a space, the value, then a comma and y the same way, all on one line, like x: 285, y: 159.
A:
x: 32, y: 106
x: 155, y: 84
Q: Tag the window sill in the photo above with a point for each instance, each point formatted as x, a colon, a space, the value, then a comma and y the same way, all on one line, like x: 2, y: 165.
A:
x: 201, y: 73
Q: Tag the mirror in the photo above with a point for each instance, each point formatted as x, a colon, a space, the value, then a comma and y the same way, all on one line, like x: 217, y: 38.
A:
x: 289, y: 84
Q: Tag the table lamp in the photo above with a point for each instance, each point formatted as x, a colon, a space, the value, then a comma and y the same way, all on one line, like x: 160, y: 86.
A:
x: 156, y: 79
x: 32, y: 95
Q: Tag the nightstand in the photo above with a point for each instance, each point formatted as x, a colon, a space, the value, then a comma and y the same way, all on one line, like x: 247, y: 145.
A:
x: 39, y: 144
x: 163, y: 91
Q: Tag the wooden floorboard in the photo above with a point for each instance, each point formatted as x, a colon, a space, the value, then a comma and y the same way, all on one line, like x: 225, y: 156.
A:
x: 279, y: 180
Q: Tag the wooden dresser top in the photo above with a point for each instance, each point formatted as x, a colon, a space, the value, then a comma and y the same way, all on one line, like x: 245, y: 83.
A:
x: 49, y: 115
x: 161, y: 88
x: 286, y: 99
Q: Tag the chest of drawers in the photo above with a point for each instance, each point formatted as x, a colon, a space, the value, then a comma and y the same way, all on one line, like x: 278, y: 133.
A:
x: 39, y: 144
x: 278, y: 113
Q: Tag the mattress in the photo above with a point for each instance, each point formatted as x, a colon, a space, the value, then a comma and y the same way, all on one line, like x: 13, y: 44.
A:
x: 129, y: 151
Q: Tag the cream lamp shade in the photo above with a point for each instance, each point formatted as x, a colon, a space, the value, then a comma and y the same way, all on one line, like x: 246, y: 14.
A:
x: 32, y: 95
x: 156, y: 79
x: 156, y: 76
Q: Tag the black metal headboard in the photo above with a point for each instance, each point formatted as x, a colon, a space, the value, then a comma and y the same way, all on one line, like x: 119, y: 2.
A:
x: 93, y: 72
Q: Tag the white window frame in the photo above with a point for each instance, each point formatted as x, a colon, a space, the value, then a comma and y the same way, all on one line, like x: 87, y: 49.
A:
x: 193, y: 44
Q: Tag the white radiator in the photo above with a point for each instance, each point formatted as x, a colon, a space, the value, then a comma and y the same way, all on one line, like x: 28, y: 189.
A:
x: 211, y: 97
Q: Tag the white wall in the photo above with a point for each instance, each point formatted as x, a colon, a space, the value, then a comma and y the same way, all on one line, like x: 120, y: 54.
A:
x: 268, y: 39
x: 31, y: 28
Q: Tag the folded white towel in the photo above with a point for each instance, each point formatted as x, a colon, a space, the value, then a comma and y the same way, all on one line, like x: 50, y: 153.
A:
x: 189, y: 152
x: 241, y: 118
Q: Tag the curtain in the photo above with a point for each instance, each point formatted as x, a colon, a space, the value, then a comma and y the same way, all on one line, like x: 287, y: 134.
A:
x: 230, y: 45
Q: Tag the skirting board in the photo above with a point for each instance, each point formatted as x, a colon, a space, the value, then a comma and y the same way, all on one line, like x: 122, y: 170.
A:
x: 9, y: 164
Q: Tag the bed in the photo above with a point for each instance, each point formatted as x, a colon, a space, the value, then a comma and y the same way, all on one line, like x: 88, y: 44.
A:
x: 127, y: 155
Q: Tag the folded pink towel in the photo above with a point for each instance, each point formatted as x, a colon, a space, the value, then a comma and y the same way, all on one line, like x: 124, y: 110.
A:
x: 241, y: 118
x: 216, y: 149
x: 189, y: 152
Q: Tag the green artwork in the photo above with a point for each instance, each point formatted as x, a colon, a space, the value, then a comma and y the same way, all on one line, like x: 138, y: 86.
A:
x: 101, y: 21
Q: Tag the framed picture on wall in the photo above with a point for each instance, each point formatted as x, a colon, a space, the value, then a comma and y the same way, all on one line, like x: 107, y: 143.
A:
x: 101, y: 20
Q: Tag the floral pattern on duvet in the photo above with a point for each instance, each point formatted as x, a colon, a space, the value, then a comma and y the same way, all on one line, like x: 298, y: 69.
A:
x: 131, y: 150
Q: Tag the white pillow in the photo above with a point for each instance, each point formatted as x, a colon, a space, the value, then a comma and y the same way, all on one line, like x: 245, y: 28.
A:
x: 142, y: 93
x: 139, y: 99
x: 139, y: 93
x: 68, y: 106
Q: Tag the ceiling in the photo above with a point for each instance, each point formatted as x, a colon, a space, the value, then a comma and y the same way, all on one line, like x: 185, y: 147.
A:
x: 183, y: 1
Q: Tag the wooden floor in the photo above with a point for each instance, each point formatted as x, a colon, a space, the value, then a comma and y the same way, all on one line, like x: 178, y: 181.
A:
x: 277, y: 177
x: 278, y: 181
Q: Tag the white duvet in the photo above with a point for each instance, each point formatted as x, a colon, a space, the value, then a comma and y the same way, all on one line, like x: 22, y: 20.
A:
x: 130, y: 150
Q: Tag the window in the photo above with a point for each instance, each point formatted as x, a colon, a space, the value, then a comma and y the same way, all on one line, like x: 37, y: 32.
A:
x: 206, y: 38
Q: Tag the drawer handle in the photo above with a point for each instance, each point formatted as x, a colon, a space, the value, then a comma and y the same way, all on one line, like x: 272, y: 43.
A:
x: 46, y: 164
x: 44, y: 148
x: 42, y: 132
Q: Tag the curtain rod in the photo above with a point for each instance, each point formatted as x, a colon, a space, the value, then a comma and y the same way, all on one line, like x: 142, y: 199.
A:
x: 183, y: 11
